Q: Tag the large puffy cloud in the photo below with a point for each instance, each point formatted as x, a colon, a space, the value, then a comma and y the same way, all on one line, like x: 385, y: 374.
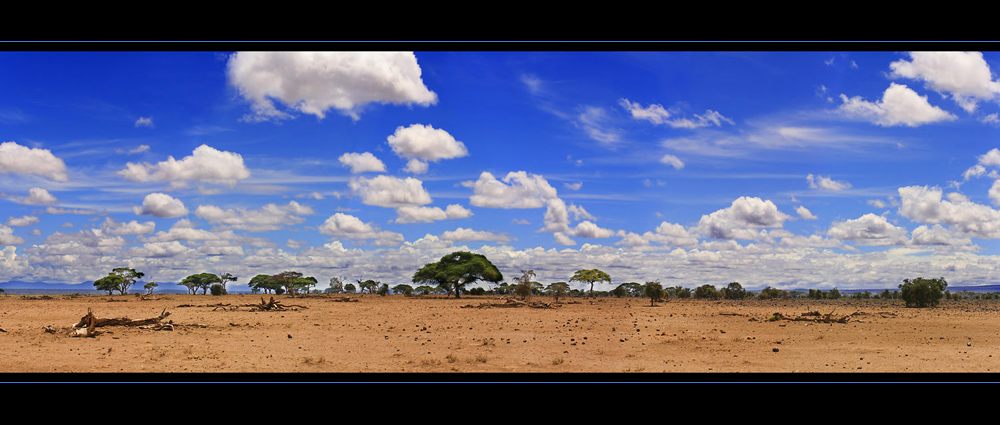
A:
x: 420, y: 144
x: 964, y: 75
x: 269, y: 217
x: 350, y: 227
x: 315, y: 82
x: 159, y: 250
x: 130, y: 228
x: 672, y: 234
x: 15, y: 158
x: 205, y: 164
x: 924, y: 205
x: 414, y: 214
x: 738, y: 220
x: 557, y: 221
x: 390, y: 192
x: 937, y: 235
x: 587, y: 229
x: 517, y: 190
x: 7, y: 236
x: 425, y: 142
x: 900, y: 105
x: 869, y: 230
x: 362, y: 162
x: 36, y: 196
x: 161, y: 205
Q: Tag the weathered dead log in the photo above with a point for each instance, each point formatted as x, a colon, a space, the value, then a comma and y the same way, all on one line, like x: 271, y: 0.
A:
x: 92, y: 321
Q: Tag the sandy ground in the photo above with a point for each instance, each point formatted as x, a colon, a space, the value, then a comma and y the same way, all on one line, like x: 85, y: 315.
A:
x: 433, y: 338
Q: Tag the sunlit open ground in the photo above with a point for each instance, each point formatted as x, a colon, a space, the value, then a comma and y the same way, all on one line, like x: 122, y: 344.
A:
x: 410, y: 336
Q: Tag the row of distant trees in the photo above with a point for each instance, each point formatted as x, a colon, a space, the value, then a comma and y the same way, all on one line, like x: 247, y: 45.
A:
x: 453, y: 272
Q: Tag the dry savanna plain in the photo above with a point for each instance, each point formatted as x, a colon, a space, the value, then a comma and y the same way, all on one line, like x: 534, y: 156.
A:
x: 327, y: 337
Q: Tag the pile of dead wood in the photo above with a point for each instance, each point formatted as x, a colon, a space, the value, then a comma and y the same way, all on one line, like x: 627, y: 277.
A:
x: 272, y: 305
x: 507, y: 302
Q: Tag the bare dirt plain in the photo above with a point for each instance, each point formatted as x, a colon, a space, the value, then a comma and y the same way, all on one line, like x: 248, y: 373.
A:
x: 409, y: 337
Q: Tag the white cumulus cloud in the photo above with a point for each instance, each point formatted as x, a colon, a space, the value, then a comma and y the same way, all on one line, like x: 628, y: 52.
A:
x: 900, y: 105
x: 316, y: 82
x: 18, y: 159
x: 518, y: 189
x: 362, y: 162
x: 738, y: 220
x: 161, y: 205
x: 350, y: 227
x: 26, y: 220
x: 422, y: 144
x: 964, y: 75
x: 205, y: 164
x: 267, y: 218
x: 390, y: 192
x: 415, y: 214
x: 869, y: 230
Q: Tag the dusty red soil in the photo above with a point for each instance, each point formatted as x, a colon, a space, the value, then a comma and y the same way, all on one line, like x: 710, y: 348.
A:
x: 399, y: 337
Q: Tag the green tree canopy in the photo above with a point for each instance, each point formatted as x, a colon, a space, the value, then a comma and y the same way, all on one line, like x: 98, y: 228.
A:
x: 590, y: 276
x: 922, y: 292
x: 110, y: 283
x: 227, y: 277
x: 200, y: 281
x: 558, y: 289
x: 129, y: 276
x: 706, y: 291
x: 653, y: 291
x: 734, y: 291
x: 263, y: 282
x: 369, y: 286
x: 458, y: 269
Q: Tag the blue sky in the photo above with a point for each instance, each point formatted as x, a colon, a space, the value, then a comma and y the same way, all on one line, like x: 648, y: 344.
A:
x: 813, y: 169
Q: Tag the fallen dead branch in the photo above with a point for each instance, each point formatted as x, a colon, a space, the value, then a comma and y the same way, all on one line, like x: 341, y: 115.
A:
x: 88, y: 324
x: 272, y: 305
x: 510, y: 302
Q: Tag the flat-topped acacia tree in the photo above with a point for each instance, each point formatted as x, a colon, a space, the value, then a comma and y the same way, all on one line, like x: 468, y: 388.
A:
x: 590, y: 276
x: 458, y: 269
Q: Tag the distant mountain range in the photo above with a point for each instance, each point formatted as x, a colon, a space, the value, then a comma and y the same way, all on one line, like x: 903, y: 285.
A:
x: 16, y: 287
